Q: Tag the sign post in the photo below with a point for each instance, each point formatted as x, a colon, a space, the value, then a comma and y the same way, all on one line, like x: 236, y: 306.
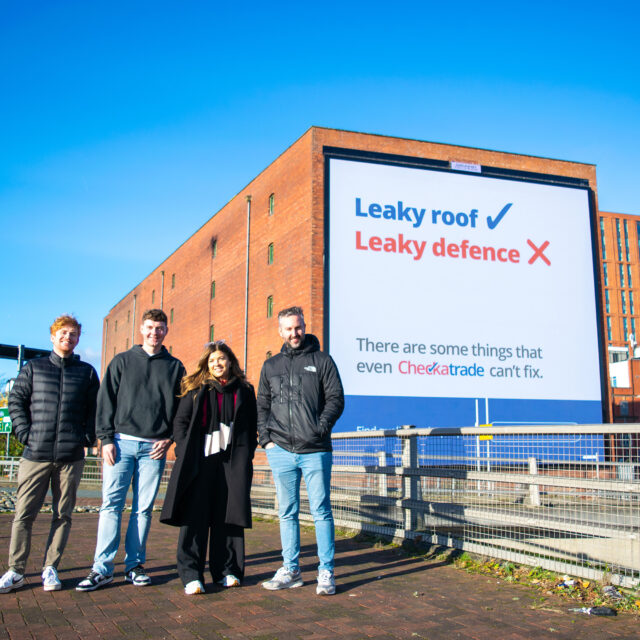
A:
x: 5, y: 425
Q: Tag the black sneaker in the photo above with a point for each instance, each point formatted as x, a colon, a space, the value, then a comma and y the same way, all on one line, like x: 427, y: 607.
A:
x: 138, y: 577
x: 93, y: 581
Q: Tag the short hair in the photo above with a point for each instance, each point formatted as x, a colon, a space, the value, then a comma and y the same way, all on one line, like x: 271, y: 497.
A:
x: 291, y: 311
x: 65, y: 320
x: 157, y: 315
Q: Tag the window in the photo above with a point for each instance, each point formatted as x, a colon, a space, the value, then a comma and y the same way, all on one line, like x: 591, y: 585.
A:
x: 153, y: 297
x: 270, y: 254
x: 171, y: 320
x: 624, y: 302
x: 213, y: 291
x: 272, y: 199
x: 114, y: 351
x: 268, y: 355
x: 127, y: 344
x: 629, y: 282
x: 116, y: 328
x: 625, y: 326
x: 618, y: 239
x: 171, y: 350
x: 608, y: 327
x: 633, y: 327
x: 606, y: 274
x: 631, y: 309
x: 626, y: 241
x: 214, y: 247
x: 211, y: 333
x: 128, y: 317
x: 621, y: 271
x: 606, y: 301
x: 173, y: 280
x: 269, y: 306
x: 602, y: 242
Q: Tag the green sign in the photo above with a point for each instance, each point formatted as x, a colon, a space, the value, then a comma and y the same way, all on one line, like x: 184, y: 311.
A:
x: 5, y: 420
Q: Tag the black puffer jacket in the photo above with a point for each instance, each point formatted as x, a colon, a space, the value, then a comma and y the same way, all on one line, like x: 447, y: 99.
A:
x: 53, y: 407
x: 300, y: 397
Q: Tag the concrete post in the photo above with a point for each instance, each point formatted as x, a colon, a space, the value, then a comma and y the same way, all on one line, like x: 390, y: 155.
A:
x: 410, y: 483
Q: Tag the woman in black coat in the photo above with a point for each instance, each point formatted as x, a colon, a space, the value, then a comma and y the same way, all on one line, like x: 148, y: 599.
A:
x: 208, y: 495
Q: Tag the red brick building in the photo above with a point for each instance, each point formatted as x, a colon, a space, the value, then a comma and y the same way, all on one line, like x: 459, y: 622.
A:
x: 264, y: 251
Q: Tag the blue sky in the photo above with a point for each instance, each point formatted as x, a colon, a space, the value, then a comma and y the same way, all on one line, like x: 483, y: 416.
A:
x: 124, y: 126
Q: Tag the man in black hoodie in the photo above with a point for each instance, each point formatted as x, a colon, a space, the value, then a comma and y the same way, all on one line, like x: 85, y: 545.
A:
x: 53, y: 408
x: 300, y: 397
x: 136, y: 405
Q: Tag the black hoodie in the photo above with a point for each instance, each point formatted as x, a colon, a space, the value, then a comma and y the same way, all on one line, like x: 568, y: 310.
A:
x: 139, y: 395
x: 300, y: 397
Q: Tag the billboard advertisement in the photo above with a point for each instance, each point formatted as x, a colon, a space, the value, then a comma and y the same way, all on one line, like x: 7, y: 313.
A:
x: 457, y: 298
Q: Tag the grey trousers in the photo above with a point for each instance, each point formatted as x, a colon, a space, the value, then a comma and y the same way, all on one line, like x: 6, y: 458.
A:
x: 34, y: 479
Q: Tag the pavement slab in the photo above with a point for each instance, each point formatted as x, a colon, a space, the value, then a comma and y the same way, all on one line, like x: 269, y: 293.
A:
x: 381, y: 594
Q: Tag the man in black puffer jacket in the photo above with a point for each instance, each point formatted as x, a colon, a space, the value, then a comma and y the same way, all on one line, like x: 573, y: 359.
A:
x: 52, y: 407
x: 300, y: 397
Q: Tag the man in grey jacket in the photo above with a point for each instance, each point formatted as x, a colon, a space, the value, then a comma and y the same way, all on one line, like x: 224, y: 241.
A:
x: 52, y: 407
x: 136, y: 405
x: 300, y: 397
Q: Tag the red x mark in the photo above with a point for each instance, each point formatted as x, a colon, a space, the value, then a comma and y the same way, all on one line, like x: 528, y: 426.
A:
x: 538, y: 252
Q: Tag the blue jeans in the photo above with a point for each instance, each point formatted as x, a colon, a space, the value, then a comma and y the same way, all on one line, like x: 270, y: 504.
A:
x: 133, y: 466
x: 288, y: 468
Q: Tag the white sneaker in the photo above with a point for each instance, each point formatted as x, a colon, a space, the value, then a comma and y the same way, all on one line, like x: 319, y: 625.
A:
x: 10, y: 581
x: 194, y: 588
x: 284, y: 579
x: 50, y: 580
x: 229, y: 581
x: 326, y: 583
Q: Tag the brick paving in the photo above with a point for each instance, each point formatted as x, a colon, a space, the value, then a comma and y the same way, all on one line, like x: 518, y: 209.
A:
x: 382, y: 593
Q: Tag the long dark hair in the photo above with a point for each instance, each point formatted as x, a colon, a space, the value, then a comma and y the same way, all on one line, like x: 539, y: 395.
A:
x: 201, y: 375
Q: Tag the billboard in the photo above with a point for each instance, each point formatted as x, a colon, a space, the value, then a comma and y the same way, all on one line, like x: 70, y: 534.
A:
x: 458, y: 298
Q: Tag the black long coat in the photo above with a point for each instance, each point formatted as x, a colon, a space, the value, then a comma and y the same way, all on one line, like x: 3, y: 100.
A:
x: 238, y: 468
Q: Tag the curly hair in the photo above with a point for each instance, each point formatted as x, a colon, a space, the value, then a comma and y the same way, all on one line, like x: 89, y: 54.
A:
x: 65, y: 320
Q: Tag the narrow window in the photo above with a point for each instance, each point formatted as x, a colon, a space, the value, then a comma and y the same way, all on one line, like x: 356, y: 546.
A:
x: 606, y: 301
x: 211, y: 333
x: 268, y: 355
x: 602, y: 242
x: 114, y: 352
x: 606, y: 274
x: 171, y: 316
x: 626, y: 329
x: 629, y: 282
x: 173, y: 280
x: 608, y: 327
x: 626, y: 240
x: 269, y: 306
x: 633, y: 327
x: 272, y: 200
x: 213, y: 290
x: 171, y: 350
x: 270, y: 254
x: 116, y: 326
x: 631, y: 309
x: 153, y: 296
x: 127, y: 344
x: 621, y: 272
x: 214, y: 247
x: 624, y: 302
x: 618, y: 239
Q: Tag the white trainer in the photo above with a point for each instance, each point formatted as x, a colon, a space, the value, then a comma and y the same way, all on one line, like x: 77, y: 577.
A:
x: 10, y: 581
x: 50, y: 580
x: 284, y: 579
x: 326, y: 583
x: 194, y: 588
x: 229, y: 581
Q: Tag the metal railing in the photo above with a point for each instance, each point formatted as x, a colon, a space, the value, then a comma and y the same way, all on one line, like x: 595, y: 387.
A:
x: 565, y: 498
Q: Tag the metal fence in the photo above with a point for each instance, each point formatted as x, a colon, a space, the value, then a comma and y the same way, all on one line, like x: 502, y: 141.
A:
x: 565, y: 498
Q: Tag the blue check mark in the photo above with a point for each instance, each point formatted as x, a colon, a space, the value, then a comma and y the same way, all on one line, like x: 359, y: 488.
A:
x: 492, y: 223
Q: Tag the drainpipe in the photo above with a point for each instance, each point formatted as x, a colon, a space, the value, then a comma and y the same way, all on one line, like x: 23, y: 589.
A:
x: 162, y: 290
x: 246, y: 286
x: 104, y: 346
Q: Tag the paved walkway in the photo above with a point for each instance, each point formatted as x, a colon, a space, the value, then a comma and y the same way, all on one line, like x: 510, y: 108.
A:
x: 381, y: 594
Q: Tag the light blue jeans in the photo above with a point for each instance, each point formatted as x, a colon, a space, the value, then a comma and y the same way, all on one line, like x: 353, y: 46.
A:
x: 288, y: 468
x: 133, y: 467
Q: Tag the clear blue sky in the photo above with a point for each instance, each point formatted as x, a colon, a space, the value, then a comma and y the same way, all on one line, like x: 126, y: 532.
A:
x: 125, y: 125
